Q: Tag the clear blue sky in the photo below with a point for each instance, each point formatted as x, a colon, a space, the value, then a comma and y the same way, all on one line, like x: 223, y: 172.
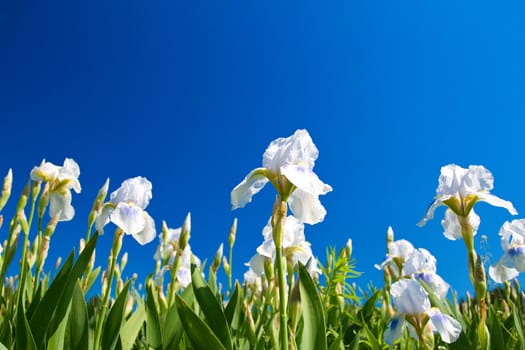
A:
x: 190, y: 93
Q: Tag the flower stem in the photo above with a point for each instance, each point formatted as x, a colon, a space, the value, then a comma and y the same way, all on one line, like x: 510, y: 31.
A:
x: 115, y: 250
x: 278, y: 221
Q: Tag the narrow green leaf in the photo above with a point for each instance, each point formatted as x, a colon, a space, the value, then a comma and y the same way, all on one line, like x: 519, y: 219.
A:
x: 24, y: 337
x: 153, y: 330
x: 114, y: 321
x: 314, y: 331
x: 198, y: 332
x: 78, y: 321
x: 3, y: 347
x: 130, y: 330
x: 232, y: 311
x: 211, y: 308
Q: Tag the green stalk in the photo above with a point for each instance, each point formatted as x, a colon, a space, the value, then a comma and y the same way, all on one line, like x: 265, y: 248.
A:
x: 115, y: 250
x: 278, y: 221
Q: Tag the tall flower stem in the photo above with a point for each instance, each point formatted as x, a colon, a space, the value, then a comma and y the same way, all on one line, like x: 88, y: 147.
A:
x: 278, y: 221
x: 115, y: 250
x: 477, y: 275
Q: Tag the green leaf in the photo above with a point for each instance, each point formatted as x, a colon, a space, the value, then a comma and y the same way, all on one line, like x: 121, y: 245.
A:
x: 232, y: 311
x: 211, y: 308
x: 153, y: 331
x: 114, y: 320
x: 198, y: 332
x: 172, y: 330
x: 24, y: 337
x: 78, y: 321
x: 54, y: 304
x: 314, y: 331
x: 57, y: 340
x: 132, y: 327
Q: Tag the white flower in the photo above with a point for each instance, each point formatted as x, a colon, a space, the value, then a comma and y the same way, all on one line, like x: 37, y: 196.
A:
x: 126, y: 210
x: 296, y: 248
x: 460, y: 188
x: 513, y: 260
x: 288, y: 163
x: 61, y: 179
x: 411, y: 299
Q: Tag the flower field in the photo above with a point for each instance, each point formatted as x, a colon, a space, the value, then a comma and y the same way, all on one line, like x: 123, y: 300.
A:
x: 288, y: 298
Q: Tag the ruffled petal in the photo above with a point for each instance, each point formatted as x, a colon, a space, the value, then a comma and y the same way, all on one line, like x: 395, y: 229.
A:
x: 496, y: 201
x: 129, y: 217
x: 242, y: 193
x: 305, y: 179
x: 296, y: 149
x: 448, y: 328
x: 306, y: 207
x: 136, y: 190
x: 477, y: 179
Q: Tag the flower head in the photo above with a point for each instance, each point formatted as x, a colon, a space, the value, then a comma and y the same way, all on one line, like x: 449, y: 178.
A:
x: 126, y: 210
x: 410, y: 299
x: 513, y: 260
x: 461, y: 188
x: 61, y: 180
x: 288, y: 164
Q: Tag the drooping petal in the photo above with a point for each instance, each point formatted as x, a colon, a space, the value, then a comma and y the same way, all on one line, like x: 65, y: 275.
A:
x: 129, y: 217
x: 448, y: 328
x: 242, y: 193
x: 256, y: 264
x: 409, y: 297
x: 394, y: 330
x: 452, y: 227
x: 430, y: 211
x: 501, y: 273
x: 70, y: 171
x: 147, y: 234
x: 305, y: 179
x: 60, y: 204
x: 306, y: 207
x: 496, y: 201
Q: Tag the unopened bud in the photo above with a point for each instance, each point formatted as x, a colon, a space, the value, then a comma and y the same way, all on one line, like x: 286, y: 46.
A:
x: 6, y: 188
x: 218, y: 257
x: 185, y: 232
x: 348, y: 248
x: 233, y: 233
x: 23, y: 222
x: 226, y: 266
x: 123, y: 261
x: 58, y: 262
x: 23, y: 198
x: 51, y: 226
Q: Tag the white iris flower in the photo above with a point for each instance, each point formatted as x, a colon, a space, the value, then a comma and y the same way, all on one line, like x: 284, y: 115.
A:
x: 288, y: 163
x: 61, y: 179
x: 126, y: 210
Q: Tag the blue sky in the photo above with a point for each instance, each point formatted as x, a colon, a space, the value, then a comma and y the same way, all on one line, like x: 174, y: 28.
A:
x: 190, y: 93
